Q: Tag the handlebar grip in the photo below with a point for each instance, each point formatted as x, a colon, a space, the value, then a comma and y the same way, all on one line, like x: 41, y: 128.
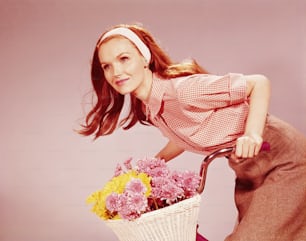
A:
x: 265, y: 146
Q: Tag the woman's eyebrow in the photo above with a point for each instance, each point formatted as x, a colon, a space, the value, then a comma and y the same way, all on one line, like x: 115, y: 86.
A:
x: 117, y: 56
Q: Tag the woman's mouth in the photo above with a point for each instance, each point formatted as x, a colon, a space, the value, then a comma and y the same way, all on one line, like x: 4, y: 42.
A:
x: 121, y: 81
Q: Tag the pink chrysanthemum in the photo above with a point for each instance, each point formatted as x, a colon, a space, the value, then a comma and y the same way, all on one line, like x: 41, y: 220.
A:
x: 137, y: 202
x: 128, y: 164
x: 132, y: 205
x: 188, y: 181
x: 135, y: 186
x: 112, y: 202
x: 118, y: 170
x: 166, y: 189
x: 153, y: 167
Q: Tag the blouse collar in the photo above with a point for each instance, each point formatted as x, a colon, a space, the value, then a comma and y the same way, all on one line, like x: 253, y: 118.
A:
x: 154, y: 102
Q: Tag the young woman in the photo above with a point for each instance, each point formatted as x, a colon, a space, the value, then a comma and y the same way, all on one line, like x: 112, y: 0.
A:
x: 202, y: 113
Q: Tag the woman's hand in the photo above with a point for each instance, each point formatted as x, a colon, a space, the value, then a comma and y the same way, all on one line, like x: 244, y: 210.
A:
x: 170, y: 151
x: 248, y: 146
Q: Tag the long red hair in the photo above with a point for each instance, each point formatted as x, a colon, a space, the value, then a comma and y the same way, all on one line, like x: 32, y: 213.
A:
x: 103, y: 118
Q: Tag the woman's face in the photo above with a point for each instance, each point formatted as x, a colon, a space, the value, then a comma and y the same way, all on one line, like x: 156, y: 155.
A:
x: 124, y: 67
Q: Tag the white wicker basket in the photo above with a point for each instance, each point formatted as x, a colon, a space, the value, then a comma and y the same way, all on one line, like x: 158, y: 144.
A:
x: 173, y: 223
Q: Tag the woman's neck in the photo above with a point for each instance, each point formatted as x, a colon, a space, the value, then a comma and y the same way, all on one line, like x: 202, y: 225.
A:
x: 144, y: 91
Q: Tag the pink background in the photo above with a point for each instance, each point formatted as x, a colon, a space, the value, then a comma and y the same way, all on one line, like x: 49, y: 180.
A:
x: 47, y: 170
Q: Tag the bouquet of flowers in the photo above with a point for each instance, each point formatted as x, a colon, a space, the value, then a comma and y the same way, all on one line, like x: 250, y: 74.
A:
x: 149, y: 202
x: 148, y: 186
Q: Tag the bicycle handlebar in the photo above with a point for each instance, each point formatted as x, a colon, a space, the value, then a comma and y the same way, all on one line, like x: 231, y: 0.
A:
x: 220, y: 153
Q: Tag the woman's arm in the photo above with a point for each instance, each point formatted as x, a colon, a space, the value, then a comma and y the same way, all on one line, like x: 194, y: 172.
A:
x: 170, y: 151
x: 258, y: 90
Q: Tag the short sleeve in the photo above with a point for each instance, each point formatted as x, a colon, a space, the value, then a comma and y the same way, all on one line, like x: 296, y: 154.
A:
x: 208, y: 92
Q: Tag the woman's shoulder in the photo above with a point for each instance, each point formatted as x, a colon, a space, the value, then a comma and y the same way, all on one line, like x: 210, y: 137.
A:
x: 190, y: 81
x: 197, y: 83
x: 183, y: 86
x: 205, y: 79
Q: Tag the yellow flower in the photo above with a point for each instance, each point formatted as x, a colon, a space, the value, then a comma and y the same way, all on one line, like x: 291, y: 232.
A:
x: 116, y: 184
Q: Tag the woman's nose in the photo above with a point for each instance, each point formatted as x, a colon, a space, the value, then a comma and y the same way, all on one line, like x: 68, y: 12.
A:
x: 117, y: 70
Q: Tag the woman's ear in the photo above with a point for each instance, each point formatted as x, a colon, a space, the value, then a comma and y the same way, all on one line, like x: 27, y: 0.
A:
x: 146, y: 64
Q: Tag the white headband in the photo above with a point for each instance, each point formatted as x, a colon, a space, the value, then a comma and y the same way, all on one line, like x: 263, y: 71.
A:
x: 133, y: 37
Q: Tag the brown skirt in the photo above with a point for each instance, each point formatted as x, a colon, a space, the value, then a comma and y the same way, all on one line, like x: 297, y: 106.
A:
x: 270, y: 192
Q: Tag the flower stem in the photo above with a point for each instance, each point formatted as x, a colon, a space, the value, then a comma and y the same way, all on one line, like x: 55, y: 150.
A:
x: 155, y: 203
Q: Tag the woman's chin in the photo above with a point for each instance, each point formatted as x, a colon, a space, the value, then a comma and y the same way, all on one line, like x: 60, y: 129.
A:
x: 124, y: 91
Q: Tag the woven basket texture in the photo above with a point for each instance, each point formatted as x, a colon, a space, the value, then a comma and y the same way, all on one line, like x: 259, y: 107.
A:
x: 173, y: 223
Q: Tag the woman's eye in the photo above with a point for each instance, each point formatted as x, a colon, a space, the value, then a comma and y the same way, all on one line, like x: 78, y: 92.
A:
x: 105, y: 67
x: 124, y: 58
